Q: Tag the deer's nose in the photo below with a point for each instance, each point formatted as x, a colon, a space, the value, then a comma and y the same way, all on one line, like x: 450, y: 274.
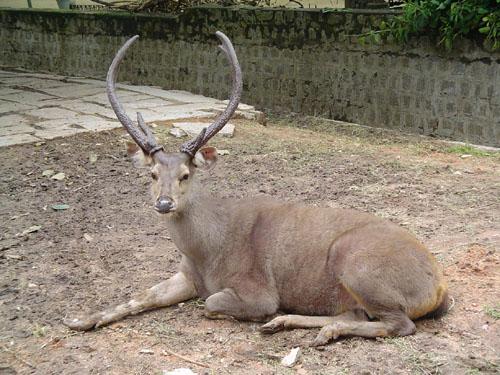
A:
x: 164, y: 205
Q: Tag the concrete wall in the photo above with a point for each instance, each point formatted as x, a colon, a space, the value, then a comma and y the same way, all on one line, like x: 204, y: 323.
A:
x: 293, y: 60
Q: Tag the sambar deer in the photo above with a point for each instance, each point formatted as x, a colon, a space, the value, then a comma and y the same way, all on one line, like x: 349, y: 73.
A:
x: 346, y: 272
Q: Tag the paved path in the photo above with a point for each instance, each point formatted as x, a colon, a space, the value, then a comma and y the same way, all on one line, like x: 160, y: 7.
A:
x: 36, y: 107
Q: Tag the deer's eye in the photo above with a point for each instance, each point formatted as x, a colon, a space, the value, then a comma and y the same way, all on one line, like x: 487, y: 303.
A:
x: 154, y: 176
x: 184, y: 177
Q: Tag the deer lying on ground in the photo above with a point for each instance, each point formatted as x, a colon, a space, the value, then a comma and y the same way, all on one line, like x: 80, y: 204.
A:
x: 346, y: 272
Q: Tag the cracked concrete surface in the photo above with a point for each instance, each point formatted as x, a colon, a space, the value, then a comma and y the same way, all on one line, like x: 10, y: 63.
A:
x: 35, y: 107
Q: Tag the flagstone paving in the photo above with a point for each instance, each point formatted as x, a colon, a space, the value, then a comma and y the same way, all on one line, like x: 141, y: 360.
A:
x: 35, y: 107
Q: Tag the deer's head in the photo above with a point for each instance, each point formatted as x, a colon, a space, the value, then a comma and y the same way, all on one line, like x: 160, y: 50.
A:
x: 172, y: 172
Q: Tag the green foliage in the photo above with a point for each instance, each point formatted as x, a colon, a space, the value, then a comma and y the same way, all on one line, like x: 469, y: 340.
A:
x: 494, y: 312
x: 467, y: 150
x: 39, y: 331
x: 448, y: 20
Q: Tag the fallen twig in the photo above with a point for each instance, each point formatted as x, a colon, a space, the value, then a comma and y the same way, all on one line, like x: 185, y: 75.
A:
x: 112, y: 157
x: 83, y: 187
x: 452, y: 304
x: 56, y: 339
x: 170, y: 352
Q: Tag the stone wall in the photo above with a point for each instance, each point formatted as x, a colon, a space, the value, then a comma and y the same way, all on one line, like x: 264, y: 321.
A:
x: 302, y: 61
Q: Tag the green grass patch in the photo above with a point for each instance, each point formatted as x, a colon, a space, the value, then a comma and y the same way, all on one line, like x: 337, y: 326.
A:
x: 473, y: 371
x: 493, y: 312
x: 39, y: 331
x: 468, y: 150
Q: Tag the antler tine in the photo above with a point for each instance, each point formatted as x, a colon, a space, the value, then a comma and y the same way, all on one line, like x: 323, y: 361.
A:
x: 150, y: 138
x: 142, y: 135
x: 194, y: 145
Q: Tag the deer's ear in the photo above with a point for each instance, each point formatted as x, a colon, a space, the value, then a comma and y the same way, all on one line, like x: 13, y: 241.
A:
x: 139, y: 158
x: 205, y: 158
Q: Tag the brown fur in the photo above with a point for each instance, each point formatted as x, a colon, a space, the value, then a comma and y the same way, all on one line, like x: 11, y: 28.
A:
x: 253, y: 257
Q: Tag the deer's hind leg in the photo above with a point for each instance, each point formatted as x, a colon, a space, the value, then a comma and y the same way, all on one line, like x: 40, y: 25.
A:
x: 254, y: 304
x: 384, y: 305
x: 304, y: 321
x: 395, y: 324
x: 174, y: 290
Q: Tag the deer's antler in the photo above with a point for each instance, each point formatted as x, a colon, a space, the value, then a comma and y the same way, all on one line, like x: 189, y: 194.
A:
x: 141, y: 134
x: 195, y: 144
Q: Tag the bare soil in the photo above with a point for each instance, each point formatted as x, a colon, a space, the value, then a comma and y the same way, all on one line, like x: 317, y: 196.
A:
x: 109, y: 244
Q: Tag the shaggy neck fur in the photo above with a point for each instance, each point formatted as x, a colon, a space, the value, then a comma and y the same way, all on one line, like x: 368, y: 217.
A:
x: 200, y: 227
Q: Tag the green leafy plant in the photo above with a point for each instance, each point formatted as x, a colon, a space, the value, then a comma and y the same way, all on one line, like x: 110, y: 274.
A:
x: 491, y: 27
x: 494, y: 312
x: 445, y: 19
x: 39, y: 331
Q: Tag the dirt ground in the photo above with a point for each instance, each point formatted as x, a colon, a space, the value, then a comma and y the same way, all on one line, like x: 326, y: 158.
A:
x: 110, y: 244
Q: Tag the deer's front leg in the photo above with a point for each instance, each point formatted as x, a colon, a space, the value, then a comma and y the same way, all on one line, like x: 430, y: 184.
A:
x: 174, y: 290
x: 252, y: 304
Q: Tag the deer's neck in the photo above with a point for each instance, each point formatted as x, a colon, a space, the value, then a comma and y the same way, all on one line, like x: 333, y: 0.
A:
x: 199, y: 230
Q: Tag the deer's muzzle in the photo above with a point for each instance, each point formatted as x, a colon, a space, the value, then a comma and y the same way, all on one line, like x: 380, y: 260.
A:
x: 164, y: 205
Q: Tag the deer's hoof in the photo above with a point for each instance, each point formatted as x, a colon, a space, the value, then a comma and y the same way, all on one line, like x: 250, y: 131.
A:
x: 325, y: 335
x: 79, y: 324
x: 275, y: 325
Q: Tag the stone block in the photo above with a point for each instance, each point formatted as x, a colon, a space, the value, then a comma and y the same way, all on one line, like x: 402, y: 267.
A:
x: 421, y: 84
x: 181, y: 114
x: 465, y: 89
x: 467, y: 108
x: 17, y: 139
x: 79, y: 122
x: 475, y: 131
x: 7, y: 107
x: 125, y: 96
x: 241, y: 106
x: 148, y: 102
x: 17, y: 129
x: 194, y: 128
x: 5, y: 91
x: 51, y: 133
x: 87, y: 108
x: 88, y: 81
x: 72, y: 91
x: 28, y: 97
x: 98, y: 124
x: 13, y: 120
x: 5, y: 74
x: 171, y: 95
x: 448, y: 87
x: 42, y: 76
x: 101, y: 98
x: 451, y: 108
x: 32, y: 82
x: 53, y: 113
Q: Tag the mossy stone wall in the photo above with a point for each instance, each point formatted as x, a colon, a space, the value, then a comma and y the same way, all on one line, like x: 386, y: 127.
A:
x: 304, y: 61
